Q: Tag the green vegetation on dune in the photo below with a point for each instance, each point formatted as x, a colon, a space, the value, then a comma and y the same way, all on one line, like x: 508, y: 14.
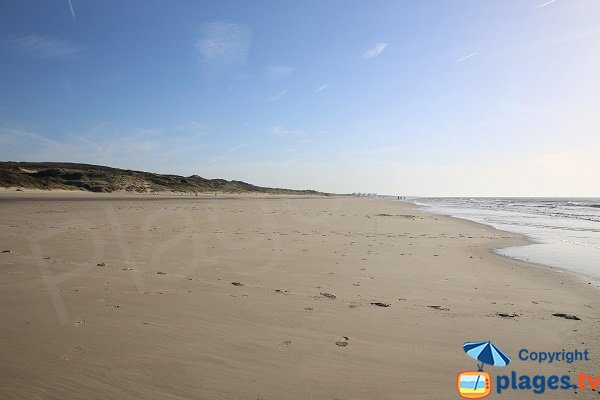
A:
x: 96, y: 178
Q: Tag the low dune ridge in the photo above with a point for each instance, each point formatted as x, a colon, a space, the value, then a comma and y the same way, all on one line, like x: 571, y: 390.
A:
x: 97, y: 178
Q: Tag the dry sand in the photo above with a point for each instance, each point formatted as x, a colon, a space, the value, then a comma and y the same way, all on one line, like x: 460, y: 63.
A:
x: 266, y: 298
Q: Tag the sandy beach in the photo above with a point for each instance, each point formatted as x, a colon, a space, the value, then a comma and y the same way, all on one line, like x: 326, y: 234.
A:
x: 258, y: 297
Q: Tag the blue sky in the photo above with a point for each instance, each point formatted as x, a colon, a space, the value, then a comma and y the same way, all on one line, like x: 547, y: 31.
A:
x: 398, y: 97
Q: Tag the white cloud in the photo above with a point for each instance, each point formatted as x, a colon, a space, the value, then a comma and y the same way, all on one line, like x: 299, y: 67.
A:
x: 278, y: 130
x: 223, y: 44
x: 283, y: 132
x: 45, y: 47
x: 277, y: 72
x: 278, y: 95
x: 72, y: 10
x: 375, y: 50
x: 466, y: 57
x: 322, y: 87
x: 545, y: 4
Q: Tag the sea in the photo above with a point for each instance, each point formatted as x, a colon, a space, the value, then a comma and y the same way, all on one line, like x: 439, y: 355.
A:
x: 565, y: 232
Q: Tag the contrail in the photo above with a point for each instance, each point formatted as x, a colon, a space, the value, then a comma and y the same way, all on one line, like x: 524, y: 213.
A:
x: 322, y: 87
x: 545, y: 4
x: 72, y: 10
x: 466, y: 57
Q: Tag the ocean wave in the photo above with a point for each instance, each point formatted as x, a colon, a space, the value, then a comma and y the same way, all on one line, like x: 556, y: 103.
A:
x: 565, y: 232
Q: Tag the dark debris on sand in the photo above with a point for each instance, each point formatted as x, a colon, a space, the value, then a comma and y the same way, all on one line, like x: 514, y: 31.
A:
x: 567, y: 316
x: 379, y: 304
x: 506, y: 315
x: 439, y: 308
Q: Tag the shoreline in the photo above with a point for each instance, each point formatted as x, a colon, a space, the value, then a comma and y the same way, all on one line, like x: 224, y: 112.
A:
x: 525, y: 240
x: 251, y: 296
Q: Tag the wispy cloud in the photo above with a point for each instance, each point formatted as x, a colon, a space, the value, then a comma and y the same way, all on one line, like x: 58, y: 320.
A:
x: 191, y: 127
x: 551, y: 40
x: 68, y: 88
x: 222, y: 156
x: 322, y: 87
x: 45, y: 47
x: 375, y: 50
x: 236, y: 148
x: 278, y: 95
x: 545, y: 4
x: 279, y: 130
x: 223, y: 44
x: 10, y: 136
x: 72, y: 10
x: 106, y: 144
x: 466, y: 57
x: 277, y: 72
x: 372, y: 152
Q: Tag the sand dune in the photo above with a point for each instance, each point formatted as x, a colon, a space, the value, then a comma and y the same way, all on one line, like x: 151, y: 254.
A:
x: 27, y: 176
x: 265, y: 298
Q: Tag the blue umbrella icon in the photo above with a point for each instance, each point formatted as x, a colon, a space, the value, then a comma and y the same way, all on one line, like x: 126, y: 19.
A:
x: 487, y: 353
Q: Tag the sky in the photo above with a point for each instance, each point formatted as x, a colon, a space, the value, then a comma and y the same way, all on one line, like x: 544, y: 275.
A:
x: 422, y: 97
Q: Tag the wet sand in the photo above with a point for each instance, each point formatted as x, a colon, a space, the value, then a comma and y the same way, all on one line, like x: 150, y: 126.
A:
x: 267, y: 298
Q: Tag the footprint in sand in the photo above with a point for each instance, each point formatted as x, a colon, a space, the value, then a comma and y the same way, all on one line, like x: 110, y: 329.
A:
x: 567, y: 316
x: 79, y: 322
x: 507, y: 315
x: 380, y: 304
x: 343, y: 341
x: 69, y: 357
x: 439, y: 308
